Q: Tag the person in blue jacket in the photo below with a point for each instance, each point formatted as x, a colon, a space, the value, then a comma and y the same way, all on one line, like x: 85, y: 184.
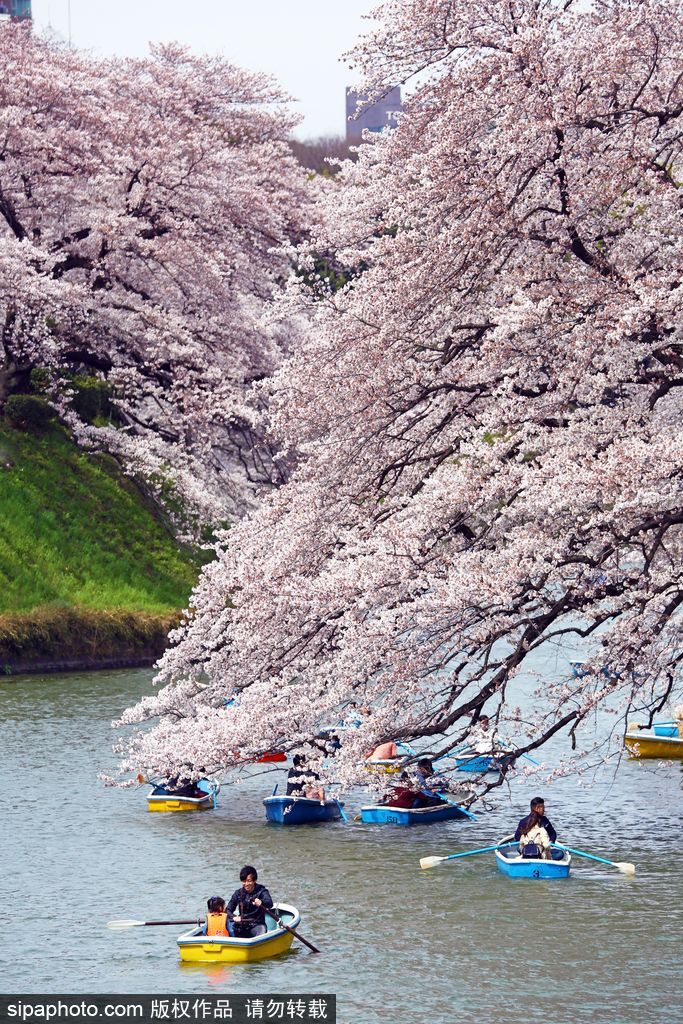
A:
x: 538, y: 807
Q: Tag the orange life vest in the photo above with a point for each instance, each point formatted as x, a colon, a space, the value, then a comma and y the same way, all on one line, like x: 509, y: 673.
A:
x: 217, y: 924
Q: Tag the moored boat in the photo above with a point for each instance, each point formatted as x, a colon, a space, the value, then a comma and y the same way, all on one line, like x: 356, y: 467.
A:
x: 644, y: 743
x: 385, y: 814
x: 512, y: 864
x: 163, y: 799
x: 195, y: 947
x: 300, y: 810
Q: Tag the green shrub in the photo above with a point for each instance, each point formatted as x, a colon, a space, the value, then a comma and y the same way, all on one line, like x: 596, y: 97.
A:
x: 24, y: 411
x: 92, y: 398
x: 41, y: 380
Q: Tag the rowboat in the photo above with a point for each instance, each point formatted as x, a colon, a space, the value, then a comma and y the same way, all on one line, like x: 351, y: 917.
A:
x: 649, y: 743
x: 474, y: 762
x: 665, y: 728
x: 300, y: 810
x: 512, y: 864
x: 162, y: 799
x: 388, y: 765
x: 196, y: 948
x: 384, y: 814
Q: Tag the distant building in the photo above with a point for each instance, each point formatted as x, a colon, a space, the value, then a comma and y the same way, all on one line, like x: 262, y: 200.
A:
x: 381, y: 114
x: 19, y: 9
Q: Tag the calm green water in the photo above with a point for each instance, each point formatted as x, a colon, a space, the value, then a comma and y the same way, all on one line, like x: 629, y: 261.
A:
x: 400, y: 945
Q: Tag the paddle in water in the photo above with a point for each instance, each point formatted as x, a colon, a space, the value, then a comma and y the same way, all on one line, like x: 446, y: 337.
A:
x: 278, y: 919
x: 116, y: 925
x: 624, y: 866
x: 431, y: 862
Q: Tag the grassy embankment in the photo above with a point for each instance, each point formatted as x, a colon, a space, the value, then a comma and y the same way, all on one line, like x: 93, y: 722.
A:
x: 89, y: 574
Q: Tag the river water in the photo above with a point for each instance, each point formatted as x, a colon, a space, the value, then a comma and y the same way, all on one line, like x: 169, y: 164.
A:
x: 458, y: 943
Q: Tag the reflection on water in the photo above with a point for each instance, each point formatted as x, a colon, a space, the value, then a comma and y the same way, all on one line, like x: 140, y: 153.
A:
x: 455, y: 943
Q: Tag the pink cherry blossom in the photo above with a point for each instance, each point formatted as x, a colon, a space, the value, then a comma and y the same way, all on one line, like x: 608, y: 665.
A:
x: 145, y: 207
x: 486, y: 420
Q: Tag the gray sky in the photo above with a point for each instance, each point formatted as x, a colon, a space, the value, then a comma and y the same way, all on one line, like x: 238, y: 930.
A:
x: 298, y: 41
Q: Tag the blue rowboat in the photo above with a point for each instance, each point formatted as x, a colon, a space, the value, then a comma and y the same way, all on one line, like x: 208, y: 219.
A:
x: 383, y: 814
x: 512, y: 864
x: 300, y: 810
x: 477, y: 763
x: 665, y: 728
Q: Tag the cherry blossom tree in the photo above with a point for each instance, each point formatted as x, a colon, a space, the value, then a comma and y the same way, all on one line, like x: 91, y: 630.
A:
x: 487, y: 418
x: 144, y: 205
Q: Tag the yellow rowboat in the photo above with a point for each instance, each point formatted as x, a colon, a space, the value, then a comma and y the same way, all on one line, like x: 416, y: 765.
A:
x: 161, y: 799
x: 195, y: 948
x: 641, y: 742
x: 388, y: 765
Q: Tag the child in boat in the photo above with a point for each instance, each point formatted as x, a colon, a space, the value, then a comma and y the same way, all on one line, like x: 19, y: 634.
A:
x: 216, y: 918
x: 249, y: 904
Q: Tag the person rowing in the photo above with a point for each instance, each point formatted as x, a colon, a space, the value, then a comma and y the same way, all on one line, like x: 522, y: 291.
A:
x: 535, y: 834
x: 248, y: 905
x: 415, y: 788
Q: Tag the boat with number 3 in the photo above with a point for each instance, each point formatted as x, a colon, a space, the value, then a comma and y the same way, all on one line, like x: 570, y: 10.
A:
x: 511, y: 862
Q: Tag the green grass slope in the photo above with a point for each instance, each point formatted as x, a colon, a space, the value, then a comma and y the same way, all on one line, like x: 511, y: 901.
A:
x: 90, y: 576
x: 74, y: 532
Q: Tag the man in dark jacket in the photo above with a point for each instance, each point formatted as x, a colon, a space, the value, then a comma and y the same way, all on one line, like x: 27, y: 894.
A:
x: 250, y: 902
x: 537, y: 806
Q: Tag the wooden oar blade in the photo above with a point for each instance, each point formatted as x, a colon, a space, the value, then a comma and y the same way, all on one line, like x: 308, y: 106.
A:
x: 115, y: 925
x: 430, y: 862
x: 625, y: 867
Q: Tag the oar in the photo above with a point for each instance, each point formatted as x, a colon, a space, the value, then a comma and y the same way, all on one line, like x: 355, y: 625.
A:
x: 275, y: 789
x: 341, y: 810
x: 512, y: 749
x: 407, y: 746
x: 117, y: 925
x: 431, y: 862
x: 273, y: 911
x: 440, y: 793
x: 621, y: 865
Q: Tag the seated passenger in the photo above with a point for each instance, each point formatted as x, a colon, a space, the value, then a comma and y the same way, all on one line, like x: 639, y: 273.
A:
x: 216, y: 918
x: 301, y: 780
x: 384, y: 752
x: 184, y: 787
x: 480, y: 737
